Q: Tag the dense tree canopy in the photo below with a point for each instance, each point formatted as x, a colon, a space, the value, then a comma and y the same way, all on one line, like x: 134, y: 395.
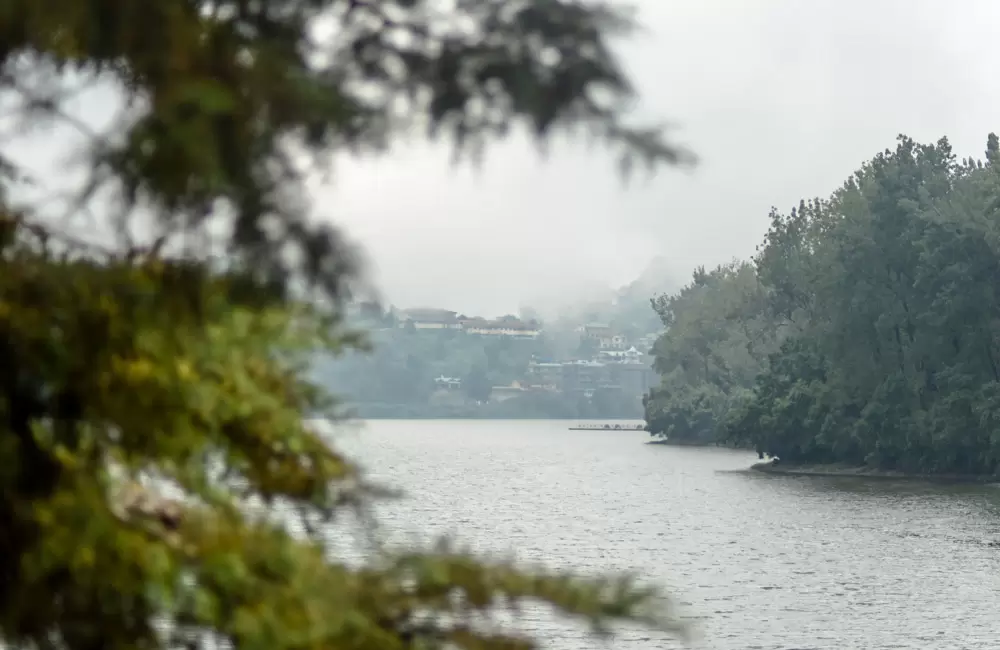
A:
x: 881, y: 305
x: 889, y: 291
x: 715, y: 344
x: 145, y: 367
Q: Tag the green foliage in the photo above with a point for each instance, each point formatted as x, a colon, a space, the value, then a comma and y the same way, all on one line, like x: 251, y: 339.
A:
x: 477, y: 384
x: 888, y: 299
x: 403, y: 363
x: 395, y: 380
x: 716, y: 343
x: 121, y: 371
x: 152, y: 368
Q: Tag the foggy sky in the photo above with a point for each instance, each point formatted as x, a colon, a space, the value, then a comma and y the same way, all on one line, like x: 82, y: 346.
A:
x: 780, y: 99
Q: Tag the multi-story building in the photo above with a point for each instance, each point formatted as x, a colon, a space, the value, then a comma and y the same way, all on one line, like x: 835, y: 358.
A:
x: 429, y: 318
x: 627, y: 370
x: 617, y: 356
x: 514, y: 328
x: 634, y: 378
x: 604, y: 335
x: 583, y: 376
x: 546, y: 374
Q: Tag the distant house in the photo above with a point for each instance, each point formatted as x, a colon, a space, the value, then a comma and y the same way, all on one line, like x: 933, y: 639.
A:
x: 605, y: 337
x: 447, y: 383
x: 625, y: 370
x: 509, y: 326
x: 632, y: 355
x: 546, y: 374
x: 471, y: 322
x: 596, y: 331
x: 430, y: 318
x: 583, y: 376
x: 614, y: 342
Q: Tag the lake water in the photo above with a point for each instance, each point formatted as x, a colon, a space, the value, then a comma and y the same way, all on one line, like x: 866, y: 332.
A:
x: 757, y: 561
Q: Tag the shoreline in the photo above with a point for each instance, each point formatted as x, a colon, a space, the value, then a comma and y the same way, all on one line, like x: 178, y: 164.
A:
x: 835, y: 470
x: 690, y: 443
x: 677, y: 443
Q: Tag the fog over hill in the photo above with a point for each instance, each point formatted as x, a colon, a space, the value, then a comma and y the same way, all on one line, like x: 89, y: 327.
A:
x: 627, y: 306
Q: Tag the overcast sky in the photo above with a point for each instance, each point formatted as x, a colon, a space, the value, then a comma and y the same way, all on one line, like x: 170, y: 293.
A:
x: 781, y: 99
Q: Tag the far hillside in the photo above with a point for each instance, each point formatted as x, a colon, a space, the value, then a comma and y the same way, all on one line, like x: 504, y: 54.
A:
x: 626, y: 309
x: 435, y: 362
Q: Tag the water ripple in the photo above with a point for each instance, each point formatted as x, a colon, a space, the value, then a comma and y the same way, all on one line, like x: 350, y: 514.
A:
x: 760, y: 561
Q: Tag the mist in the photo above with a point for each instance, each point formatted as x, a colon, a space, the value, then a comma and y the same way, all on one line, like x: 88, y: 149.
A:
x: 780, y: 100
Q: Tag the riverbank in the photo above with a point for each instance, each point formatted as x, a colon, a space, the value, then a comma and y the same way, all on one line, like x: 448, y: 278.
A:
x: 847, y: 471
x: 677, y: 443
x: 394, y: 412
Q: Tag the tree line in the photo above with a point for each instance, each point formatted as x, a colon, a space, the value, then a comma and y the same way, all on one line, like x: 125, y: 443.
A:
x: 864, y: 330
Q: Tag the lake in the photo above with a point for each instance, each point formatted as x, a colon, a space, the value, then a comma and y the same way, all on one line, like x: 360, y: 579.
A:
x: 756, y: 560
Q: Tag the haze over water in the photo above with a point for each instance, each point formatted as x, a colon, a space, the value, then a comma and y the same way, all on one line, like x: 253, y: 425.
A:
x: 759, y: 561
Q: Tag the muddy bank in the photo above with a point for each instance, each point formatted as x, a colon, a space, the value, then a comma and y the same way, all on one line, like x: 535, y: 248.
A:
x: 791, y: 469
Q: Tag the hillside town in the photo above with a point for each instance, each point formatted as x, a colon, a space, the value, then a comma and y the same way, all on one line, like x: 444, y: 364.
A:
x: 437, y: 319
x: 596, y: 363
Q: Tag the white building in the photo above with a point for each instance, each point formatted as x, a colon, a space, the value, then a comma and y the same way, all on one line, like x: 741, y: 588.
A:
x: 511, y: 328
x: 629, y: 355
x: 429, y: 318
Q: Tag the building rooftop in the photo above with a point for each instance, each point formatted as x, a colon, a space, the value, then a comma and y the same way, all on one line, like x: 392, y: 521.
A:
x: 430, y: 314
x: 501, y: 324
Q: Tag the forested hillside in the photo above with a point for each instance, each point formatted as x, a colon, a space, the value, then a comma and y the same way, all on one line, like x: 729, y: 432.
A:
x: 868, y: 320
x: 397, y: 375
x: 564, y: 370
